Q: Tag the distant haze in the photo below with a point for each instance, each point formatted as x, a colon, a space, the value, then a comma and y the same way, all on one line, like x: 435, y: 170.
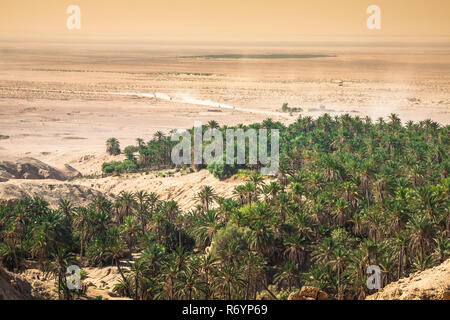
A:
x: 231, y: 20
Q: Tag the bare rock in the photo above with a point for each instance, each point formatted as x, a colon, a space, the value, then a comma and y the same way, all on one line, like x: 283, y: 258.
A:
x: 30, y: 168
x: 431, y: 284
x: 52, y: 192
x: 13, y: 287
x: 308, y: 293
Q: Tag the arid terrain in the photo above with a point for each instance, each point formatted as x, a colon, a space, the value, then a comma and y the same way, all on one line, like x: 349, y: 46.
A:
x: 59, y: 103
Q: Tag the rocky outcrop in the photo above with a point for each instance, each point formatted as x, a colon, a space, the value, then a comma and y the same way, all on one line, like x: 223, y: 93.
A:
x: 308, y: 293
x: 14, y: 287
x: 49, y: 191
x: 30, y: 168
x: 35, y: 284
x: 431, y: 284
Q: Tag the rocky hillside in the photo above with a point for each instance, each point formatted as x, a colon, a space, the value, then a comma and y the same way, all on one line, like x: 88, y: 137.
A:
x: 50, y: 191
x: 431, y: 284
x: 14, y: 287
x: 30, y: 168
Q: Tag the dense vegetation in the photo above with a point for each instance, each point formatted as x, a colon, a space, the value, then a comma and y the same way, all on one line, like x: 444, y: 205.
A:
x: 350, y: 193
x: 156, y: 153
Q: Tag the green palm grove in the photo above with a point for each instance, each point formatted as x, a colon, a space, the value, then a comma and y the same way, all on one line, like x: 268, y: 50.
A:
x: 350, y: 193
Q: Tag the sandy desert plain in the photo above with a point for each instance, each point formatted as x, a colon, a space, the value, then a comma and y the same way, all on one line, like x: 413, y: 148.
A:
x: 60, y: 102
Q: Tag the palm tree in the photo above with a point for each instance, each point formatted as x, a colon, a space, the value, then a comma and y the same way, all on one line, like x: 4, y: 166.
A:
x: 127, y: 201
x: 421, y: 230
x: 257, y: 179
x: 11, y: 237
x: 113, y: 146
x: 191, y: 284
x: 207, y: 265
x: 129, y: 231
x: 228, y: 281
x: 338, y: 262
x: 401, y: 241
x: 442, y: 251
x: 142, y: 208
x: 324, y: 252
x: 249, y: 190
x: 159, y: 136
x: 295, y: 249
x: 61, y: 260
x: 81, y: 223
x: 67, y: 208
x: 395, y: 121
x: 140, y: 142
x: 206, y: 196
x: 287, y: 273
x: 138, y: 270
x: 212, y: 124
x: 206, y: 226
x: 318, y: 276
x: 366, y: 173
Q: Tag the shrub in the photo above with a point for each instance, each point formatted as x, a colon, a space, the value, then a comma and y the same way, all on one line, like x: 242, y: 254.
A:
x: 221, y: 170
x: 113, y: 146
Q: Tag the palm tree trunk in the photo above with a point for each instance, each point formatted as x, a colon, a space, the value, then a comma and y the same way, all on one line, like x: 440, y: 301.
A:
x: 123, y: 277
x: 339, y: 281
x: 81, y: 244
x: 136, y: 286
x: 59, y: 286
x: 248, y: 284
x: 268, y: 290
x: 16, y: 261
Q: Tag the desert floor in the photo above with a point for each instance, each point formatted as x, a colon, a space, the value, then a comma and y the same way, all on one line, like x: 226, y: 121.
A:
x: 60, y: 102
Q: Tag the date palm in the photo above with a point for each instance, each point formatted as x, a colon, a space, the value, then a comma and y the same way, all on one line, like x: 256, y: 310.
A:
x: 228, y: 281
x: 295, y: 249
x: 212, y: 124
x: 142, y: 198
x: 60, y: 261
x: 421, y: 234
x: 129, y: 231
x: 288, y: 274
x: 113, y: 146
x: 206, y: 196
x: 126, y: 201
x: 191, y: 284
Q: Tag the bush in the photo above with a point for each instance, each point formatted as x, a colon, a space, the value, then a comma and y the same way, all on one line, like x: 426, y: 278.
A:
x: 230, y: 243
x: 113, y: 146
x: 129, y: 152
x: 221, y: 170
x: 118, y: 166
x: 109, y: 167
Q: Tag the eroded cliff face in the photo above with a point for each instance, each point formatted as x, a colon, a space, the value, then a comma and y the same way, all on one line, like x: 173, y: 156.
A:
x: 33, y: 169
x: 14, y: 287
x: 430, y: 284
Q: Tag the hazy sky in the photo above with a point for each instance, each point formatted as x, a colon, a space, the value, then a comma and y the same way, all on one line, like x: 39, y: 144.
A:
x: 218, y: 20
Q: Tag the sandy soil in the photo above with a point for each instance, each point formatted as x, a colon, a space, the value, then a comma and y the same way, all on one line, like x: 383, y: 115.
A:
x: 60, y: 102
